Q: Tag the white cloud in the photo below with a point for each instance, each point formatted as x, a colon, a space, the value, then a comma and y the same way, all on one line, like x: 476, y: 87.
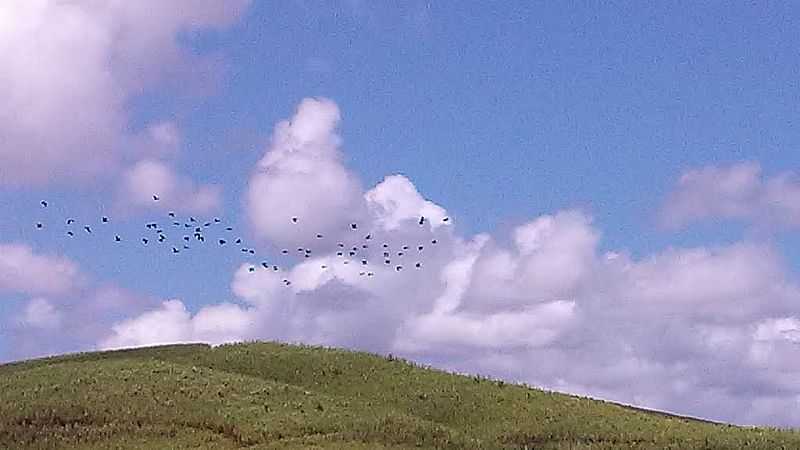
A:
x: 39, y: 313
x: 151, y: 177
x: 23, y: 271
x: 172, y: 323
x: 69, y: 68
x: 739, y: 191
x: 301, y: 175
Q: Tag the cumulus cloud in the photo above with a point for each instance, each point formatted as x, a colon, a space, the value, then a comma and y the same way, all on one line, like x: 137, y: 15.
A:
x: 172, y: 323
x: 26, y: 272
x: 69, y: 68
x: 705, y: 331
x: 40, y: 313
x: 738, y: 191
x: 301, y: 175
x: 151, y: 177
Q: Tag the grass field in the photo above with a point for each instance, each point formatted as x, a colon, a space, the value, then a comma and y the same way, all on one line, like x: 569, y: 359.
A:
x: 273, y: 396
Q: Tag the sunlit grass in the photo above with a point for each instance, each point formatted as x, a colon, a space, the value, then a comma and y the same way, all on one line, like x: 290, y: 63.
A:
x: 273, y: 396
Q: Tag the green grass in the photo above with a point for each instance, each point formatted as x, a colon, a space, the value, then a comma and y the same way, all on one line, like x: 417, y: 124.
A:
x: 273, y: 396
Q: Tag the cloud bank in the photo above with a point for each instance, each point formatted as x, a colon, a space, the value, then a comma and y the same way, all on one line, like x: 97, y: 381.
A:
x: 705, y: 331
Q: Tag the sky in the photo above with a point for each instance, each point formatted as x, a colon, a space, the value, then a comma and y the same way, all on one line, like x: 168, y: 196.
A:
x: 620, y: 185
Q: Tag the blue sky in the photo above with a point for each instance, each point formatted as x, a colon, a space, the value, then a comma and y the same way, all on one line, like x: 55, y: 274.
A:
x: 499, y: 112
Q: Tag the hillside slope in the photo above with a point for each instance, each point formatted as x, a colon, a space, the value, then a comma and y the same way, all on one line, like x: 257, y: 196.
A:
x: 273, y: 396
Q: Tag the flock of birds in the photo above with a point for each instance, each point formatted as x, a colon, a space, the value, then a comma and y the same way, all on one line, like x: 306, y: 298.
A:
x: 195, y: 231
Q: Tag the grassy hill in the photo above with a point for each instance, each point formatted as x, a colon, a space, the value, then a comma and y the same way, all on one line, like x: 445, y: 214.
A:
x: 272, y: 396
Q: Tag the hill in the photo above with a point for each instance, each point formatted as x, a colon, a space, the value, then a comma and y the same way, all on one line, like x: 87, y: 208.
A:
x: 275, y: 396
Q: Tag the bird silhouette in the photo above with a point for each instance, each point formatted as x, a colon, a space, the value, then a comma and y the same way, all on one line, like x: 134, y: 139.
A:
x: 222, y: 242
x: 117, y: 238
x: 229, y: 229
x: 88, y: 229
x: 171, y: 214
x: 217, y: 220
x: 398, y: 268
x: 434, y: 241
x: 422, y: 220
x: 104, y: 219
x: 368, y: 237
x: 238, y: 240
x: 39, y: 225
x: 445, y: 219
x: 70, y: 221
x: 319, y: 236
x: 175, y: 250
x: 420, y: 248
x: 265, y: 265
x: 354, y: 226
x: 44, y: 204
x: 418, y: 265
x: 285, y: 251
x: 156, y: 198
x: 252, y: 269
x: 294, y: 219
x: 145, y: 241
x: 70, y: 234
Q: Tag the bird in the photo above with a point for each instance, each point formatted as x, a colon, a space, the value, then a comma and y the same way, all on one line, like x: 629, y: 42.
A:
x: 238, y: 241
x: 176, y: 223
x: 418, y: 265
x: 434, y: 241
x: 207, y: 224
x: 252, y: 252
x: 156, y: 198
x: 252, y: 269
x: 171, y: 214
x: 370, y: 274
x: 319, y: 236
x: 398, y: 268
x: 229, y: 229
x: 445, y: 219
x: 70, y: 221
x: 352, y: 253
x: 175, y: 250
x: 70, y: 234
x: 285, y: 251
x: 88, y: 229
x: 294, y: 219
x: 44, y: 204
x: 39, y: 225
x: 421, y: 220
x: 192, y: 219
x: 162, y: 238
x: 274, y: 268
x: 186, y: 247
x: 420, y: 248
x: 265, y: 265
x: 385, y: 254
x: 104, y: 219
x: 400, y: 253
x: 323, y: 266
x: 388, y: 262
x: 368, y: 237
x: 217, y: 220
x: 222, y: 242
x: 339, y: 254
x: 354, y: 226
x: 117, y: 238
x: 186, y: 238
x: 385, y: 245
x: 145, y: 241
x: 405, y: 247
x: 363, y: 262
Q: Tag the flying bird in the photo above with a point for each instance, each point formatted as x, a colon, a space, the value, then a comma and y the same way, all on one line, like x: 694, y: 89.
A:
x: 70, y: 221
x: 70, y: 234
x: 88, y: 229
x: 117, y: 238
x: 368, y: 237
x: 175, y: 250
x: 354, y: 226
x: 285, y: 251
x: 229, y: 229
x: 420, y: 248
x: 145, y: 241
x: 294, y: 219
x: 44, y: 204
x: 252, y: 269
x: 434, y: 241
x: 104, y: 219
x: 398, y: 268
x: 222, y: 242
x: 319, y: 236
x: 171, y: 214
x: 155, y: 198
x: 39, y: 225
x: 445, y: 219
x: 418, y: 265
x: 421, y: 220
